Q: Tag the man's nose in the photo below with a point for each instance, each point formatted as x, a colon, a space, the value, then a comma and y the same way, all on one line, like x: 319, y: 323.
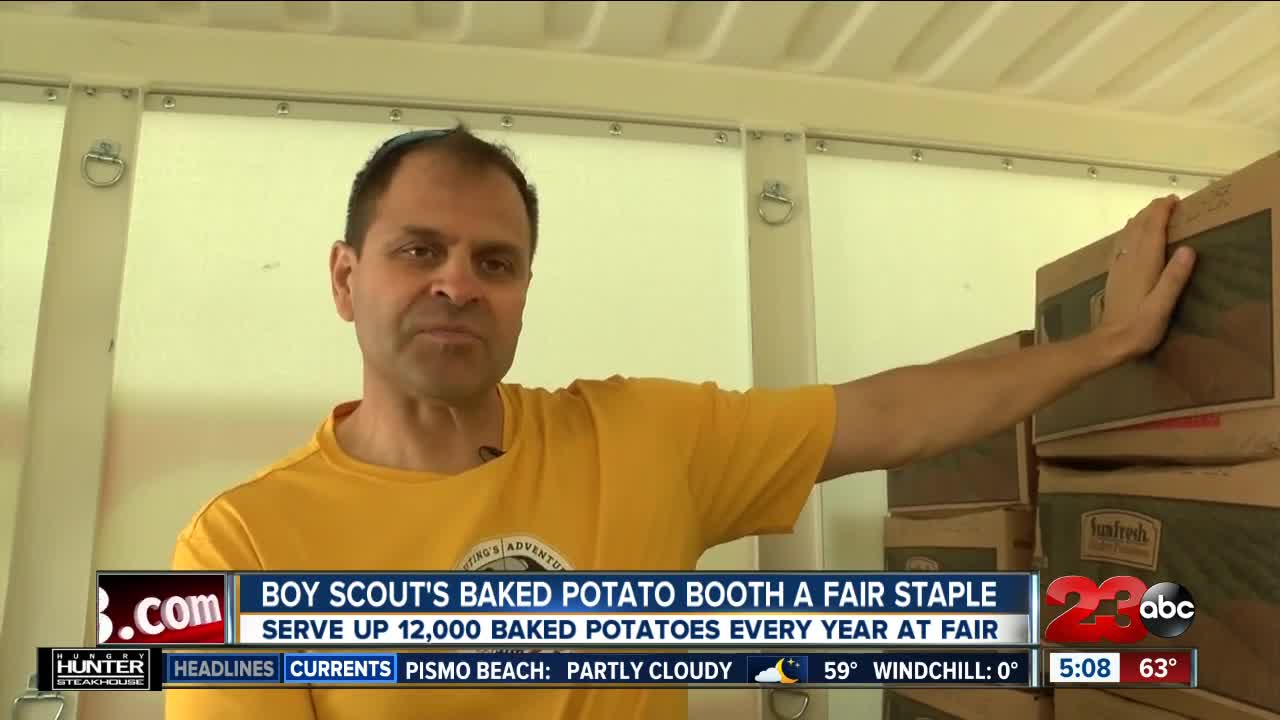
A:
x: 456, y: 282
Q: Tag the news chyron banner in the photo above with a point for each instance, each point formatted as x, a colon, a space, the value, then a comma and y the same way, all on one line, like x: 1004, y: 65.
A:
x: 279, y: 629
x: 569, y: 610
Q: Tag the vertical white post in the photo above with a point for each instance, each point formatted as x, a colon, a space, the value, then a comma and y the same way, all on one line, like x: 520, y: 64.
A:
x: 51, y: 584
x: 784, y: 343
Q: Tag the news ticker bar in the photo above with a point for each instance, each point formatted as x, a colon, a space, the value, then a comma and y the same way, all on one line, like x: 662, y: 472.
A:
x: 158, y: 668
x: 568, y: 610
x: 66, y: 669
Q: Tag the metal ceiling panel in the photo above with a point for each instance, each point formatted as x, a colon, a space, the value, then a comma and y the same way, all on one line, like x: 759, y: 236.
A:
x: 1216, y: 61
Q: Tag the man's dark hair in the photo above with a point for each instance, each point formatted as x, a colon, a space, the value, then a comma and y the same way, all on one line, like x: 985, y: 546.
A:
x: 460, y: 144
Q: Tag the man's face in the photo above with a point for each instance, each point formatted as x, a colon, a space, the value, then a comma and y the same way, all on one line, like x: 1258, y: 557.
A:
x: 438, y: 292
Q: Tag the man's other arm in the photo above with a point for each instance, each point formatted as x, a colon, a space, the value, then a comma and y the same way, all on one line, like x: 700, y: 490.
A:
x: 912, y: 413
x: 217, y: 541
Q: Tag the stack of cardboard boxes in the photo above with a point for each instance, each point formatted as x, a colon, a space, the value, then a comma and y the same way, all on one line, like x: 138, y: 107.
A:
x: 1168, y: 468
x: 971, y: 510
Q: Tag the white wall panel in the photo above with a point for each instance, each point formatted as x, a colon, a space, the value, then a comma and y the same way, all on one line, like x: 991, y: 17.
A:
x: 229, y: 351
x: 30, y: 140
x: 914, y: 262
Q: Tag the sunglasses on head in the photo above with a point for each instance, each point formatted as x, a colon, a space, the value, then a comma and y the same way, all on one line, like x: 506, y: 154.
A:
x: 410, y: 138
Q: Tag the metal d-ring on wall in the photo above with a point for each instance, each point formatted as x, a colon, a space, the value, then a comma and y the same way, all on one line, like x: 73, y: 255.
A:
x: 104, y: 152
x: 778, y: 713
x: 775, y: 191
x: 33, y: 696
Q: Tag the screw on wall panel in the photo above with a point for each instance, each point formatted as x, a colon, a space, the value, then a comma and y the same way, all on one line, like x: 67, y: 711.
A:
x: 91, y: 91
x: 282, y: 109
x: 787, y: 137
x: 1093, y: 172
x: 821, y: 146
x: 917, y: 155
x: 1173, y: 179
x: 126, y: 93
x: 756, y: 135
x: 721, y: 138
x: 615, y: 129
x: 169, y: 102
x: 395, y: 115
x: 1007, y: 163
x: 50, y: 94
x: 507, y: 121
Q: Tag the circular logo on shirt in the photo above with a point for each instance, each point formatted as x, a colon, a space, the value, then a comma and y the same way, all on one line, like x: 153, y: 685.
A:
x: 514, y: 553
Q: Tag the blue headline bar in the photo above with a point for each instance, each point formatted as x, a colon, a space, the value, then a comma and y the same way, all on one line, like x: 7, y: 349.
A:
x: 638, y: 592
x: 1012, y: 669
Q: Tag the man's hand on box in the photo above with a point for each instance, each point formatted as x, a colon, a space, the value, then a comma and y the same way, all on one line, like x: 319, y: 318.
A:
x: 1142, y: 288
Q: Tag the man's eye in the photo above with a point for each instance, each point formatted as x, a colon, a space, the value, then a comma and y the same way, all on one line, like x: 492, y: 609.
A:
x: 420, y: 251
x: 494, y: 265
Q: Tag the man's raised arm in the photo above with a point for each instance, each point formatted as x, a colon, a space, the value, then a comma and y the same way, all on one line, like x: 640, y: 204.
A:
x: 911, y: 413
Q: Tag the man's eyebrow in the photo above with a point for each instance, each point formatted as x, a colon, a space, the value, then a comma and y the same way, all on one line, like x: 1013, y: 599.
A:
x: 420, y: 232
x: 430, y: 234
x: 495, y: 245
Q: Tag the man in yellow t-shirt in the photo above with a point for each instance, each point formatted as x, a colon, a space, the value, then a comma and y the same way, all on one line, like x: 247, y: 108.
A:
x: 441, y: 465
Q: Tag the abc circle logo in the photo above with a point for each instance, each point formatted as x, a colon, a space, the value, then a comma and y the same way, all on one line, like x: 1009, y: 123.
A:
x: 1165, y: 610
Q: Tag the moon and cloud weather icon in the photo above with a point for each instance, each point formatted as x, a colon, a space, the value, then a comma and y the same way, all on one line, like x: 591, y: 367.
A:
x: 778, y: 670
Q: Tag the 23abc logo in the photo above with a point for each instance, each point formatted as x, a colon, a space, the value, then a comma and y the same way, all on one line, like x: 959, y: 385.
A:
x: 1165, y: 610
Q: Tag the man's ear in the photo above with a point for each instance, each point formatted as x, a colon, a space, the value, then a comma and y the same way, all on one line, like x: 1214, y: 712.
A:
x: 342, y: 264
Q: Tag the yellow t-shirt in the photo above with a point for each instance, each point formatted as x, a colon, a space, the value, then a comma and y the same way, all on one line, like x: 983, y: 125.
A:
x: 618, y: 474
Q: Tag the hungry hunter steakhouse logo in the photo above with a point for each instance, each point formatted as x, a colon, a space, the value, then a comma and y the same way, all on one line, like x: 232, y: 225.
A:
x: 124, y: 665
x: 101, y: 669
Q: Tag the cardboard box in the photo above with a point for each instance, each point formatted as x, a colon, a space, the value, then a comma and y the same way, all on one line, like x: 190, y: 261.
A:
x: 1038, y: 562
x: 1080, y: 704
x: 1214, y: 530
x: 1209, y: 393
x: 998, y: 540
x: 1195, y: 704
x: 966, y: 704
x: 998, y: 471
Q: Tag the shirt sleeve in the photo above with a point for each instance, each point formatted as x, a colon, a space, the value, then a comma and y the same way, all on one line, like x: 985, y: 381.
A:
x: 753, y: 456
x: 217, y: 541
